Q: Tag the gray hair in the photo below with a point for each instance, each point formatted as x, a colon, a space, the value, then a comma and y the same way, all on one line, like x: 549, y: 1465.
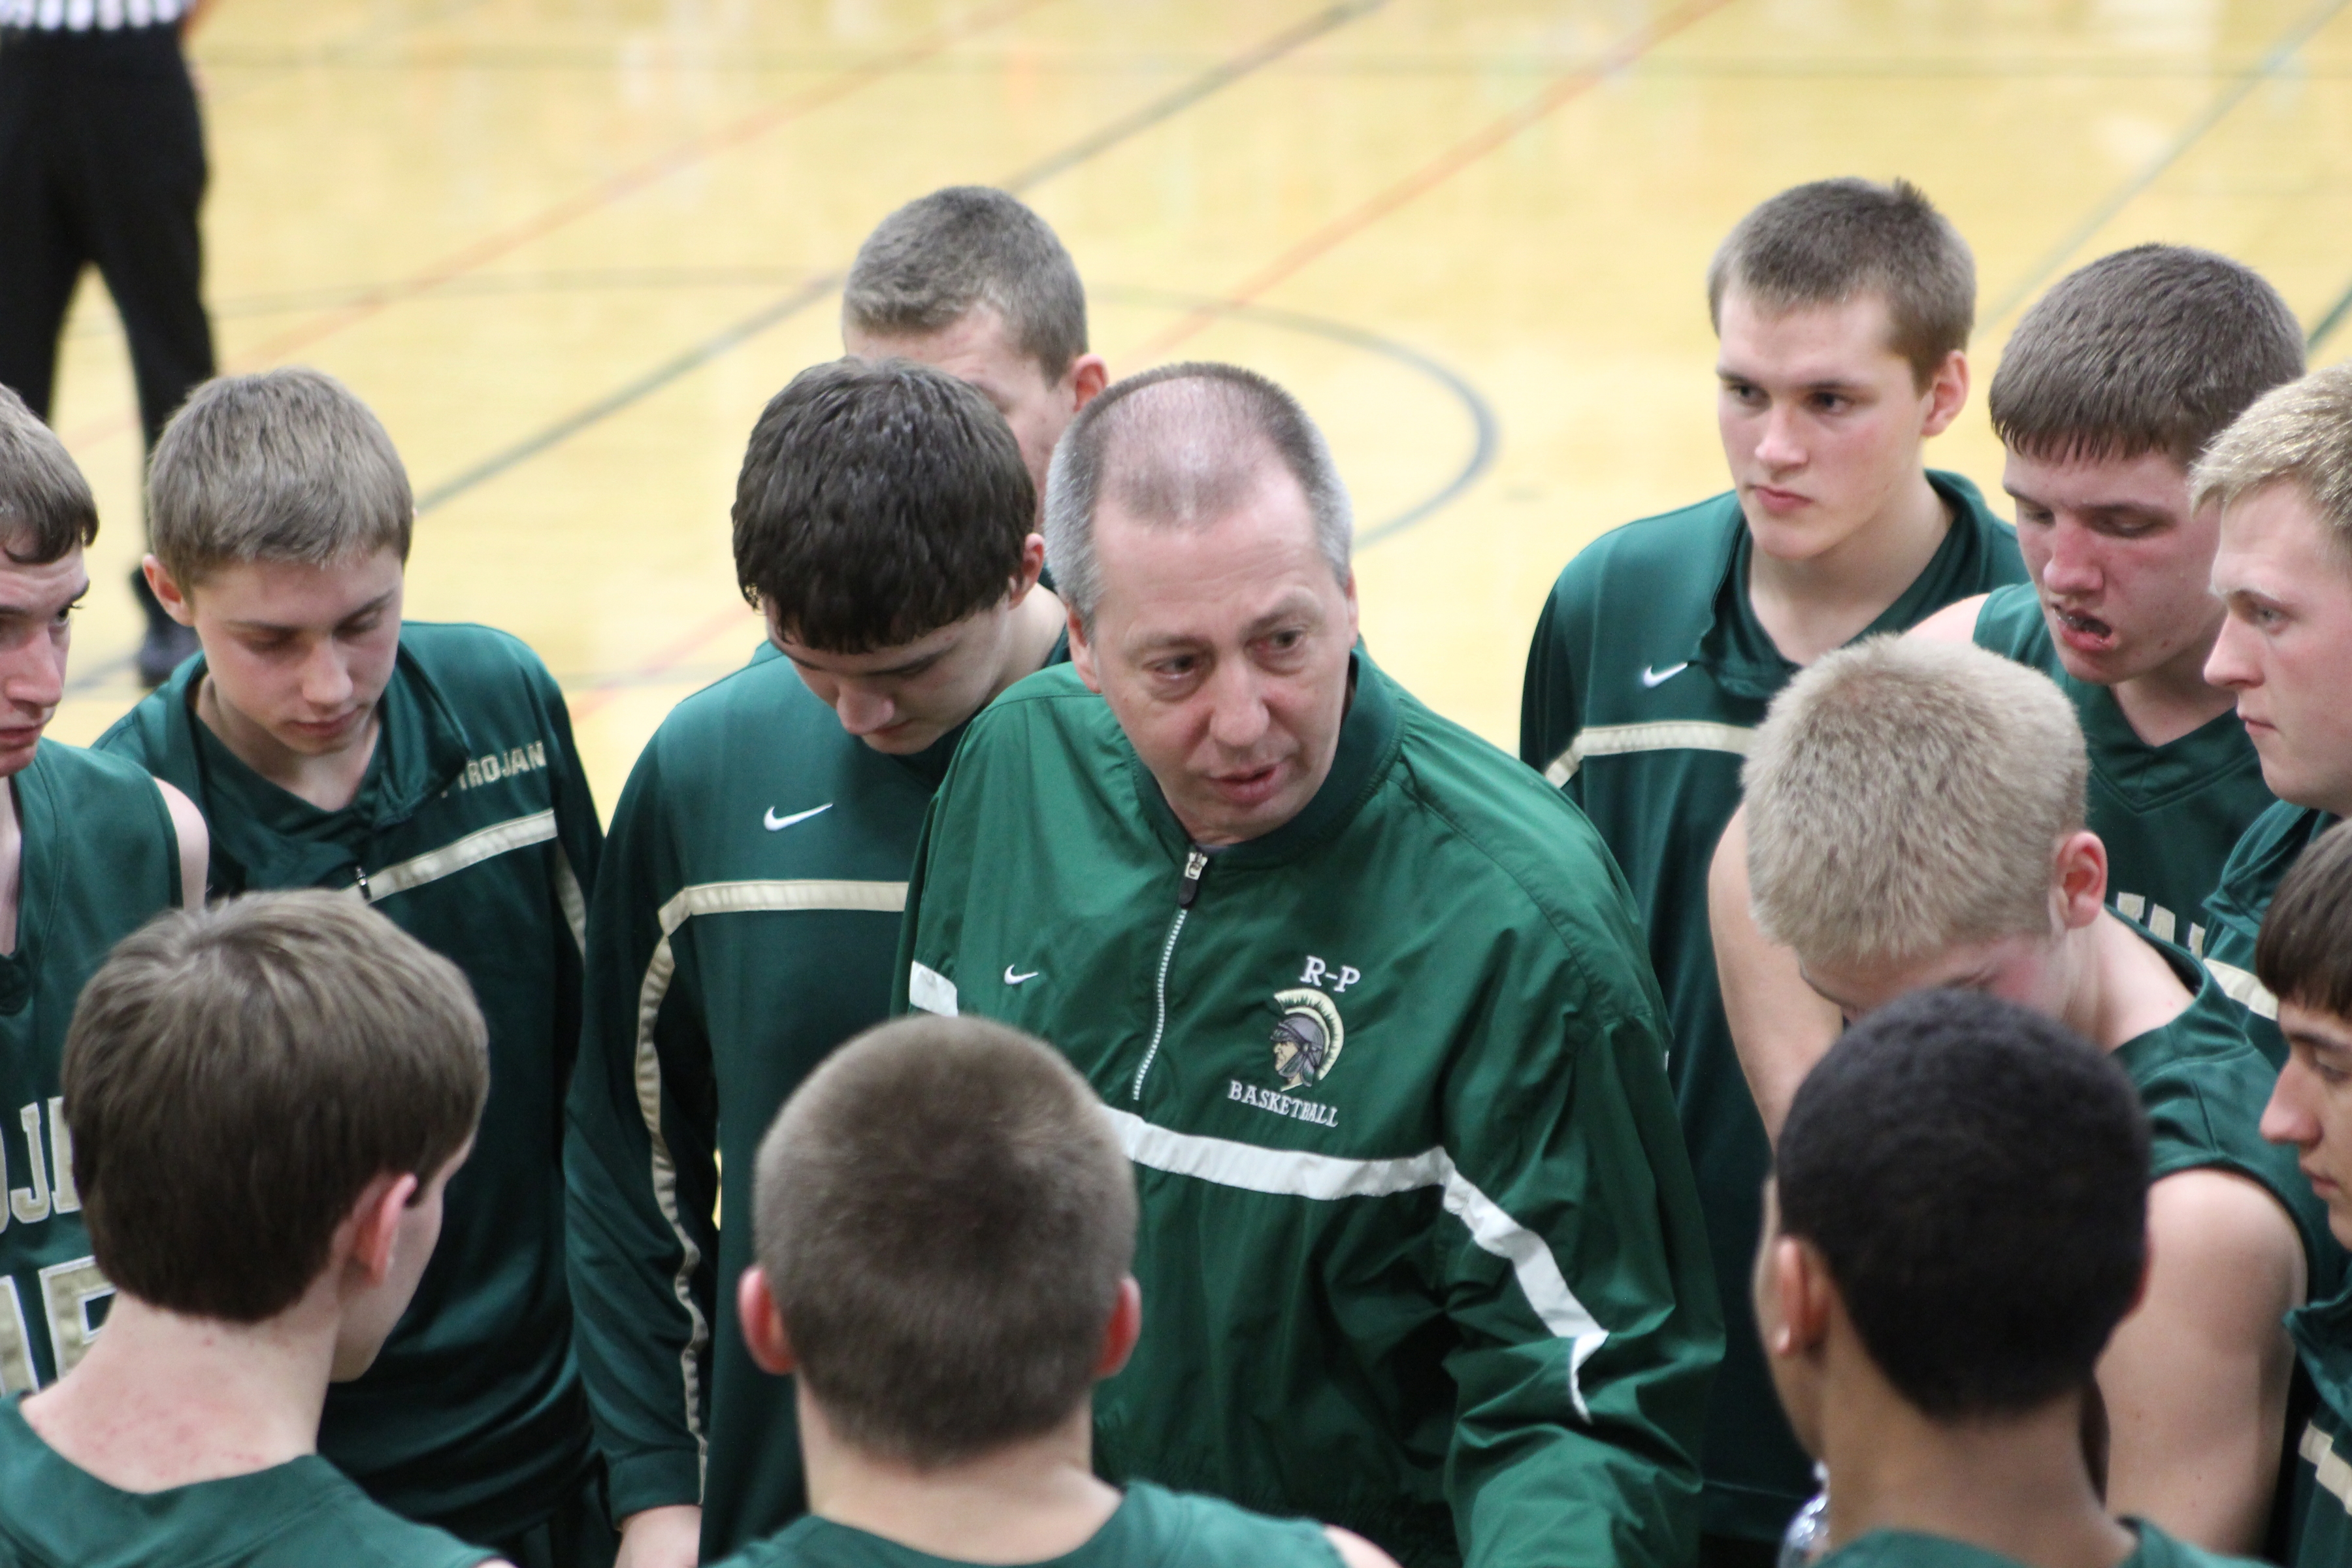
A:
x: 934, y: 259
x: 283, y: 465
x: 1182, y: 445
x: 2300, y: 432
x: 46, y: 507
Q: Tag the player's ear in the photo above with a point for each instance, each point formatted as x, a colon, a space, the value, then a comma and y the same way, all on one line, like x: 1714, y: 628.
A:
x: 1088, y: 376
x: 167, y: 592
x: 1082, y: 652
x: 1126, y: 1327
x: 764, y: 1334
x: 2081, y: 879
x: 371, y: 1230
x: 1947, y: 393
x: 1033, y: 562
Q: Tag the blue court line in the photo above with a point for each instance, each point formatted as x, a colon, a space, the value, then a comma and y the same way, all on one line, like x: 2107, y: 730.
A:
x: 1217, y: 78
x: 2327, y: 325
x: 2288, y: 45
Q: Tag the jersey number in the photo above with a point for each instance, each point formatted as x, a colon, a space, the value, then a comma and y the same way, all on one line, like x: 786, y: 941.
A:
x: 68, y: 1292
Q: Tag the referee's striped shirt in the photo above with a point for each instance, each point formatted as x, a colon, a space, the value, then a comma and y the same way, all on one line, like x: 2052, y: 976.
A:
x: 84, y: 15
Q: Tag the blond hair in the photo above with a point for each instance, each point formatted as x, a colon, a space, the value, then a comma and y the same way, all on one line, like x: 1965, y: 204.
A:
x: 2302, y: 432
x: 1904, y: 796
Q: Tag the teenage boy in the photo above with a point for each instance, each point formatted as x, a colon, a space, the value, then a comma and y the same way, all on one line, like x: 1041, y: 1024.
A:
x: 89, y: 848
x: 2107, y: 392
x: 268, y: 1101
x: 1955, y: 1224
x: 969, y: 281
x: 1844, y: 310
x: 1305, y: 937
x: 952, y: 1161
x: 747, y: 918
x: 429, y: 769
x: 2303, y: 958
x: 2281, y: 479
x: 1915, y: 820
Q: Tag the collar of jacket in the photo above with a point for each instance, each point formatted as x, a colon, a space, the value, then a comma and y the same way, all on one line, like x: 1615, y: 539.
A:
x: 421, y: 750
x: 1368, y: 738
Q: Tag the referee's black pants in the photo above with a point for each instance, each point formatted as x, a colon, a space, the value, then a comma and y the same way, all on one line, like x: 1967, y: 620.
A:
x: 102, y: 163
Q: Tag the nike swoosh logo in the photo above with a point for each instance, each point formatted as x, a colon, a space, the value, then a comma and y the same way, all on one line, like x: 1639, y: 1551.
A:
x: 1653, y: 676
x: 777, y: 823
x: 1012, y: 979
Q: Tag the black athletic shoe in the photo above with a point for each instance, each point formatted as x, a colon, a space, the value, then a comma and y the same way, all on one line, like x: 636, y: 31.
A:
x: 167, y: 642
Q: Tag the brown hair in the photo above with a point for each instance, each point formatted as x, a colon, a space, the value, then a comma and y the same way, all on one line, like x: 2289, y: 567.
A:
x: 944, y: 1219
x: 1836, y: 240
x: 286, y: 465
x: 936, y: 258
x: 2304, y: 953
x: 234, y: 1078
x: 2154, y: 349
x: 46, y: 507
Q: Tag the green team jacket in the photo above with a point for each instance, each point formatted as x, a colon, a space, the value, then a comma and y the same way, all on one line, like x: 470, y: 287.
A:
x: 1906, y: 1549
x: 2169, y: 814
x: 2255, y: 868
x: 304, y: 1513
x: 1150, y: 1529
x: 2321, y: 1533
x: 474, y: 831
x: 99, y: 858
x: 745, y: 923
x: 1420, y: 1253
x: 1647, y: 678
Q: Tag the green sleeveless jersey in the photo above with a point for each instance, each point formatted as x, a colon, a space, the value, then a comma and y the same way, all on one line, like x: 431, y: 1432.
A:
x: 2203, y: 1086
x: 745, y: 923
x: 2169, y: 814
x: 2235, y: 911
x: 2320, y: 1532
x: 473, y: 831
x: 1906, y: 1549
x: 1648, y: 676
x: 1150, y: 1529
x: 99, y: 858
x: 301, y: 1514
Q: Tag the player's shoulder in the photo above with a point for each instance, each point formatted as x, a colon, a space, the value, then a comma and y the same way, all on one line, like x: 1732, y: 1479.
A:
x: 1167, y: 1529
x: 2271, y: 844
x: 763, y: 699
x: 1680, y: 552
x: 2157, y: 1549
x: 1053, y: 704
x: 2008, y: 622
x: 83, y: 772
x: 463, y: 656
x: 352, y: 1530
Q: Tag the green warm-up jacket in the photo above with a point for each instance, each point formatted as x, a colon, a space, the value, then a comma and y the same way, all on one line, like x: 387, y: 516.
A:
x: 1421, y: 1252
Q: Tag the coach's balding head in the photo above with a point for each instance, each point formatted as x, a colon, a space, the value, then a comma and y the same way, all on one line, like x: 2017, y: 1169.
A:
x: 1200, y: 535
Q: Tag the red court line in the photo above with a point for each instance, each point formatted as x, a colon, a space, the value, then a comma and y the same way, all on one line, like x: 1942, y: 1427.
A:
x: 612, y: 686
x: 603, y: 194
x: 1436, y: 172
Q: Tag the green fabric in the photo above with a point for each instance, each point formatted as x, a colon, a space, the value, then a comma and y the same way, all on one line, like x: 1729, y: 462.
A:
x: 474, y: 831
x: 1150, y: 1529
x: 1905, y: 1549
x: 2169, y: 814
x: 2321, y: 1533
x: 1451, y: 1290
x: 1648, y: 675
x: 2204, y: 1086
x: 756, y: 951
x: 2235, y: 911
x: 301, y: 1514
x: 99, y: 857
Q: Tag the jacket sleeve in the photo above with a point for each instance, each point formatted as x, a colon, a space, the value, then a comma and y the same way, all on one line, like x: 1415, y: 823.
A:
x: 1578, y: 1278
x: 579, y: 845
x: 640, y: 1170
x: 1551, y: 705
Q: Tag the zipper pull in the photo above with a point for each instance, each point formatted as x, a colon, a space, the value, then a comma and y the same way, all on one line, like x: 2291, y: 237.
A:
x: 1196, y: 862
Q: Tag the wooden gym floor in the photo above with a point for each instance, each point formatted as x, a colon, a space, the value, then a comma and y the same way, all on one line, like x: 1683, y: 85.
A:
x: 568, y: 247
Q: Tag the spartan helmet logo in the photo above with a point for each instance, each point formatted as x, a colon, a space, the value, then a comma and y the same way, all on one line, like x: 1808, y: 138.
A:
x: 1307, y: 1041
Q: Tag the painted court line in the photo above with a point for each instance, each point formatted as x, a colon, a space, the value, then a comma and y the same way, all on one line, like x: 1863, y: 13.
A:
x: 1444, y: 166
x: 2289, y: 45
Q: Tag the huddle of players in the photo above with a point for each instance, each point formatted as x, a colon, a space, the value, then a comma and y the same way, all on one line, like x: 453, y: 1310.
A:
x: 1395, y: 1149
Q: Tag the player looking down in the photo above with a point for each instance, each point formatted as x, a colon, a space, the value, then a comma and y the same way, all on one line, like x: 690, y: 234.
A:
x: 747, y: 920
x: 1844, y: 310
x: 939, y: 1159
x: 1465, y: 1337
x: 1914, y: 818
x: 268, y: 1101
x: 429, y: 769
x: 1956, y: 1223
x: 89, y: 848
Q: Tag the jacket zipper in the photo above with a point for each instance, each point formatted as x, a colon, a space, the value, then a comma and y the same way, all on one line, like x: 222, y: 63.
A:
x: 1196, y: 865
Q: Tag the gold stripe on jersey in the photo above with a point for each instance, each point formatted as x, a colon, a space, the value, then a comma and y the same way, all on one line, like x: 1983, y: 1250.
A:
x: 485, y: 844
x: 2243, y: 989
x: 715, y: 899
x: 1660, y: 735
x: 2327, y: 1466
